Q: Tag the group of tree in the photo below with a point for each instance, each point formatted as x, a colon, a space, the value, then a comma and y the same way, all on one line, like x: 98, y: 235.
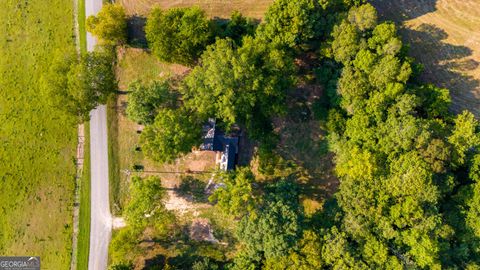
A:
x: 409, y: 170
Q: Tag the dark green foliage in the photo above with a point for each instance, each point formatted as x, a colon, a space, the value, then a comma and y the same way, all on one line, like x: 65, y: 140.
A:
x: 121, y: 266
x: 77, y: 87
x: 109, y: 25
x: 245, y: 85
x: 144, y: 101
x: 178, y: 35
x: 272, y: 233
x: 237, y: 27
x: 172, y: 134
x: 205, y: 264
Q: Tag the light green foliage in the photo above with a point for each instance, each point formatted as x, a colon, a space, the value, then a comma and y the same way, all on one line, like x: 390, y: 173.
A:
x: 247, y: 85
x: 123, y: 246
x: 289, y: 22
x: 384, y: 39
x: 145, y: 207
x: 109, y: 25
x: 173, y: 133
x: 473, y: 214
x: 346, y: 42
x: 237, y: 195
x: 464, y: 136
x: 78, y: 87
x: 178, y: 35
x: 144, y: 101
x: 363, y: 17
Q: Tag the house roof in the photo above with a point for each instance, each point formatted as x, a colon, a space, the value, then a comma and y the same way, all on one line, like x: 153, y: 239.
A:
x: 215, y: 140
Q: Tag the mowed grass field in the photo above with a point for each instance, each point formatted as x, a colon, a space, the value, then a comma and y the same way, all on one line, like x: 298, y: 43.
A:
x: 213, y: 8
x: 444, y: 37
x: 37, y: 143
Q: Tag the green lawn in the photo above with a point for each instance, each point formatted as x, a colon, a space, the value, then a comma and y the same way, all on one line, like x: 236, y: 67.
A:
x: 37, y: 143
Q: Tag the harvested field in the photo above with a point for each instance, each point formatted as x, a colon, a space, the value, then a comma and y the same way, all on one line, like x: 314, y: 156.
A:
x: 213, y: 8
x: 444, y: 37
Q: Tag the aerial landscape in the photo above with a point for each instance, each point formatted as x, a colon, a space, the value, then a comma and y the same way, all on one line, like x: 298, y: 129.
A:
x: 240, y: 134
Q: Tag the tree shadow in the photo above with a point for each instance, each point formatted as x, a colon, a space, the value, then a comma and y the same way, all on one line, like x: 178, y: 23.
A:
x: 406, y: 9
x: 445, y: 65
x: 136, y: 32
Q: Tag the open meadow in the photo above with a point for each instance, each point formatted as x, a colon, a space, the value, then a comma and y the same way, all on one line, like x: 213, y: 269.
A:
x: 444, y: 36
x: 37, y: 142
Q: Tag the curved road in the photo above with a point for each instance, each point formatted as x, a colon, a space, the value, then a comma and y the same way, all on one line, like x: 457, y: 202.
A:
x: 100, y: 217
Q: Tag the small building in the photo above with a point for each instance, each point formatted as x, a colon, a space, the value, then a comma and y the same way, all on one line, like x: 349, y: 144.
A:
x: 226, y: 147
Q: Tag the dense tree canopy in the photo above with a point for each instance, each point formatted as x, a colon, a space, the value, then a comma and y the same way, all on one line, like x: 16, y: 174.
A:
x: 236, y: 196
x: 174, y: 132
x: 178, y: 35
x: 109, y: 25
x: 144, y: 101
x: 245, y: 85
x: 79, y: 86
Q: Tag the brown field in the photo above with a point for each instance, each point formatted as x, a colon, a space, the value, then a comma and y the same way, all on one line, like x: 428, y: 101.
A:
x: 444, y: 37
x: 213, y: 8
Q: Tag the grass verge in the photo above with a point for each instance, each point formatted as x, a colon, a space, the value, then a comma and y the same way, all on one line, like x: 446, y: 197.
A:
x: 84, y: 221
x: 113, y: 158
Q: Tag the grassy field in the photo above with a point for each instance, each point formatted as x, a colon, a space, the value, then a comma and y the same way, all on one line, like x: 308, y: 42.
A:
x: 213, y: 8
x: 445, y: 37
x: 37, y: 143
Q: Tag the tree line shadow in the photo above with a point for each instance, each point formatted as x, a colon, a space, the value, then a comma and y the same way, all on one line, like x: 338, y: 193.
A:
x: 445, y: 64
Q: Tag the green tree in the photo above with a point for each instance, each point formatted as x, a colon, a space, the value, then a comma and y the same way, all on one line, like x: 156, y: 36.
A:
x: 364, y: 17
x: 178, y: 35
x: 237, y: 195
x: 79, y: 87
x: 247, y: 85
x: 239, y: 26
x: 290, y: 22
x: 110, y: 24
x: 464, y: 137
x: 145, y: 207
x: 144, y: 101
x: 173, y: 133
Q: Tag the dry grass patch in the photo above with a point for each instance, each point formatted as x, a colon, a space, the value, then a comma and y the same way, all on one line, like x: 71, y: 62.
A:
x: 213, y: 8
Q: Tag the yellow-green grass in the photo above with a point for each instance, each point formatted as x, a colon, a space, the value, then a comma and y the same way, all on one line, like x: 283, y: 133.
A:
x: 213, y: 8
x: 37, y: 142
x: 444, y: 37
x: 84, y: 217
x: 81, y: 26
